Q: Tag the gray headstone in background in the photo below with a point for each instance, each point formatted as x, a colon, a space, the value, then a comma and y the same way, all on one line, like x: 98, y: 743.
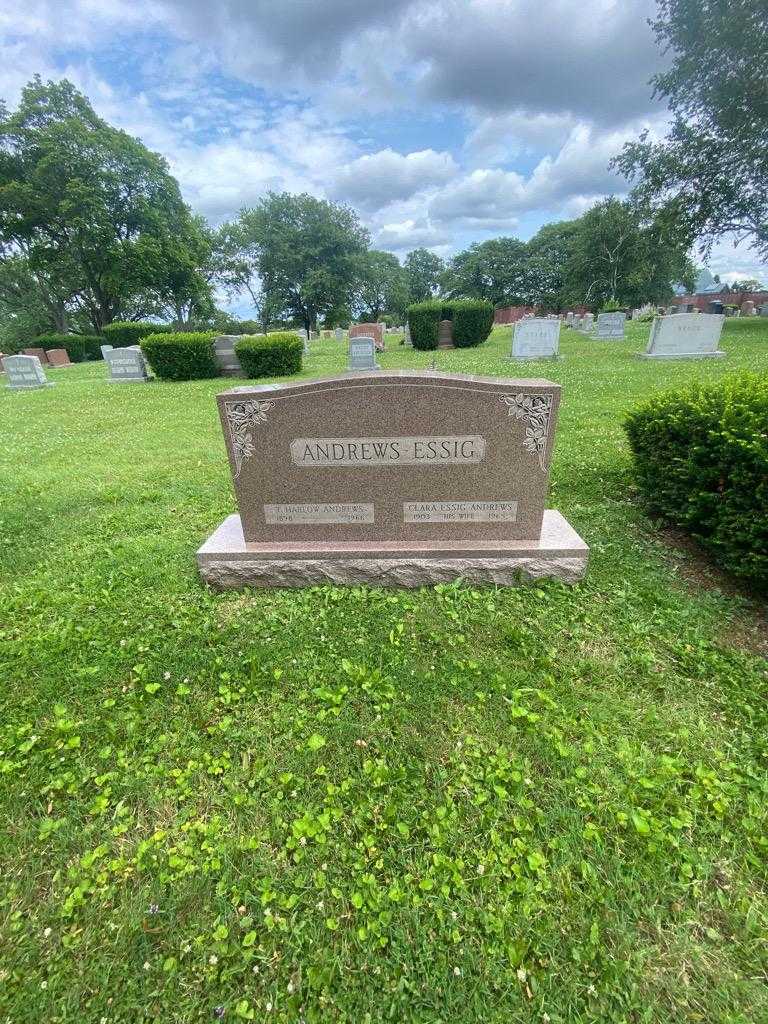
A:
x: 407, y: 341
x: 764, y: 310
x: 587, y: 322
x: 685, y: 336
x: 225, y: 357
x: 362, y: 354
x: 105, y: 349
x: 611, y: 325
x: 127, y: 364
x: 537, y: 338
x: 25, y: 372
x: 339, y: 334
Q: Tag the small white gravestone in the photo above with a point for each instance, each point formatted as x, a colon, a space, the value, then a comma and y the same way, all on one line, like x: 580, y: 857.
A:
x: 537, y: 338
x: 225, y: 357
x: 569, y: 318
x: 685, y: 336
x: 24, y: 373
x: 126, y: 364
x: 610, y: 326
x: 587, y: 323
x: 105, y: 349
x: 339, y: 334
x: 764, y: 309
x: 576, y: 323
x: 362, y: 354
x: 407, y: 340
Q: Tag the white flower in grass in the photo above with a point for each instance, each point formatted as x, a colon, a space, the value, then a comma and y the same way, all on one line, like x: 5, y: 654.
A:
x: 213, y: 959
x: 166, y: 675
x: 147, y: 965
x: 522, y: 974
x: 457, y: 971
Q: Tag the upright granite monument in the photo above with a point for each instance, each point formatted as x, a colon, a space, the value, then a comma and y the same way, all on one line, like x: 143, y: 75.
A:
x: 126, y: 365
x: 225, y: 357
x: 24, y: 373
x: 685, y: 336
x: 362, y: 354
x: 58, y: 357
x: 537, y: 338
x: 610, y: 326
x: 374, y: 331
x: 401, y: 479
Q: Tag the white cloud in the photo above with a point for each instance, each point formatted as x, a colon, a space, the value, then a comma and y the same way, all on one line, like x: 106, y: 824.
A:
x: 410, y: 234
x: 378, y: 179
x: 486, y: 199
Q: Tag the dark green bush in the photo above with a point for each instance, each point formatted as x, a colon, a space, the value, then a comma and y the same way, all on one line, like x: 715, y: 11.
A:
x: 701, y: 460
x: 271, y: 355
x: 181, y: 356
x: 79, y: 346
x: 472, y: 321
x: 123, y: 335
x: 424, y: 322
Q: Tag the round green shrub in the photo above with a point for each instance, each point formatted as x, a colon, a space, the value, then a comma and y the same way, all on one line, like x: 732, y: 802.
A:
x: 180, y: 356
x: 271, y: 355
x: 701, y: 460
x: 79, y: 346
x: 124, y: 334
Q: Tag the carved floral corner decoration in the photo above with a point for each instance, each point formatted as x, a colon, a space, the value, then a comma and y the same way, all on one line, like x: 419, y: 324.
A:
x: 536, y: 411
x: 243, y: 418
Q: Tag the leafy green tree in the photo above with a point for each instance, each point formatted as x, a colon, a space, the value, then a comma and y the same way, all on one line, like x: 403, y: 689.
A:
x: 495, y: 270
x: 305, y: 251
x: 619, y: 257
x: 709, y: 175
x: 548, y: 255
x: 382, y: 286
x: 78, y: 194
x: 424, y: 270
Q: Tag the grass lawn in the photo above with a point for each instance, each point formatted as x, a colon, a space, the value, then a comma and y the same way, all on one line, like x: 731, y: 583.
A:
x: 455, y: 805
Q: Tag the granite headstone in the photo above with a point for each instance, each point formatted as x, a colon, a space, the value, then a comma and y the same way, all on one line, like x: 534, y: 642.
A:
x: 610, y: 326
x: 400, y: 479
x: 25, y: 373
x: 537, y: 338
x: 362, y: 354
x: 126, y: 365
x: 685, y: 336
x: 225, y: 357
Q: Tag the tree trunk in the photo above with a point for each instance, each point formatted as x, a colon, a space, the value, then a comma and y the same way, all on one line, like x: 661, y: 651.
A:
x: 60, y: 317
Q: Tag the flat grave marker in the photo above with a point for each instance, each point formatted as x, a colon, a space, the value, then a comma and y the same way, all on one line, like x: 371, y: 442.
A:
x: 685, y: 336
x: 404, y: 479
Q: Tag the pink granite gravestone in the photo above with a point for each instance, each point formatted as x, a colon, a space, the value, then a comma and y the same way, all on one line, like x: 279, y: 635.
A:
x: 39, y: 352
x: 58, y: 357
x: 393, y: 478
x: 374, y: 331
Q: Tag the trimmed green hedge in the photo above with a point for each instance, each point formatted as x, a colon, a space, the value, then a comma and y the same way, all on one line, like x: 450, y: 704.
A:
x: 424, y: 323
x: 271, y: 355
x: 123, y: 334
x: 701, y: 460
x: 472, y: 322
x: 181, y: 356
x: 79, y: 346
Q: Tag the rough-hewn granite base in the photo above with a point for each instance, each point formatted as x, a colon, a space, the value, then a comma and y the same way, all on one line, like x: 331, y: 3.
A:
x: 681, y: 355
x: 227, y: 562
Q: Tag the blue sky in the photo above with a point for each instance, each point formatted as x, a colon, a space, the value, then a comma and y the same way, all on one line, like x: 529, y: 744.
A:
x: 442, y: 122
